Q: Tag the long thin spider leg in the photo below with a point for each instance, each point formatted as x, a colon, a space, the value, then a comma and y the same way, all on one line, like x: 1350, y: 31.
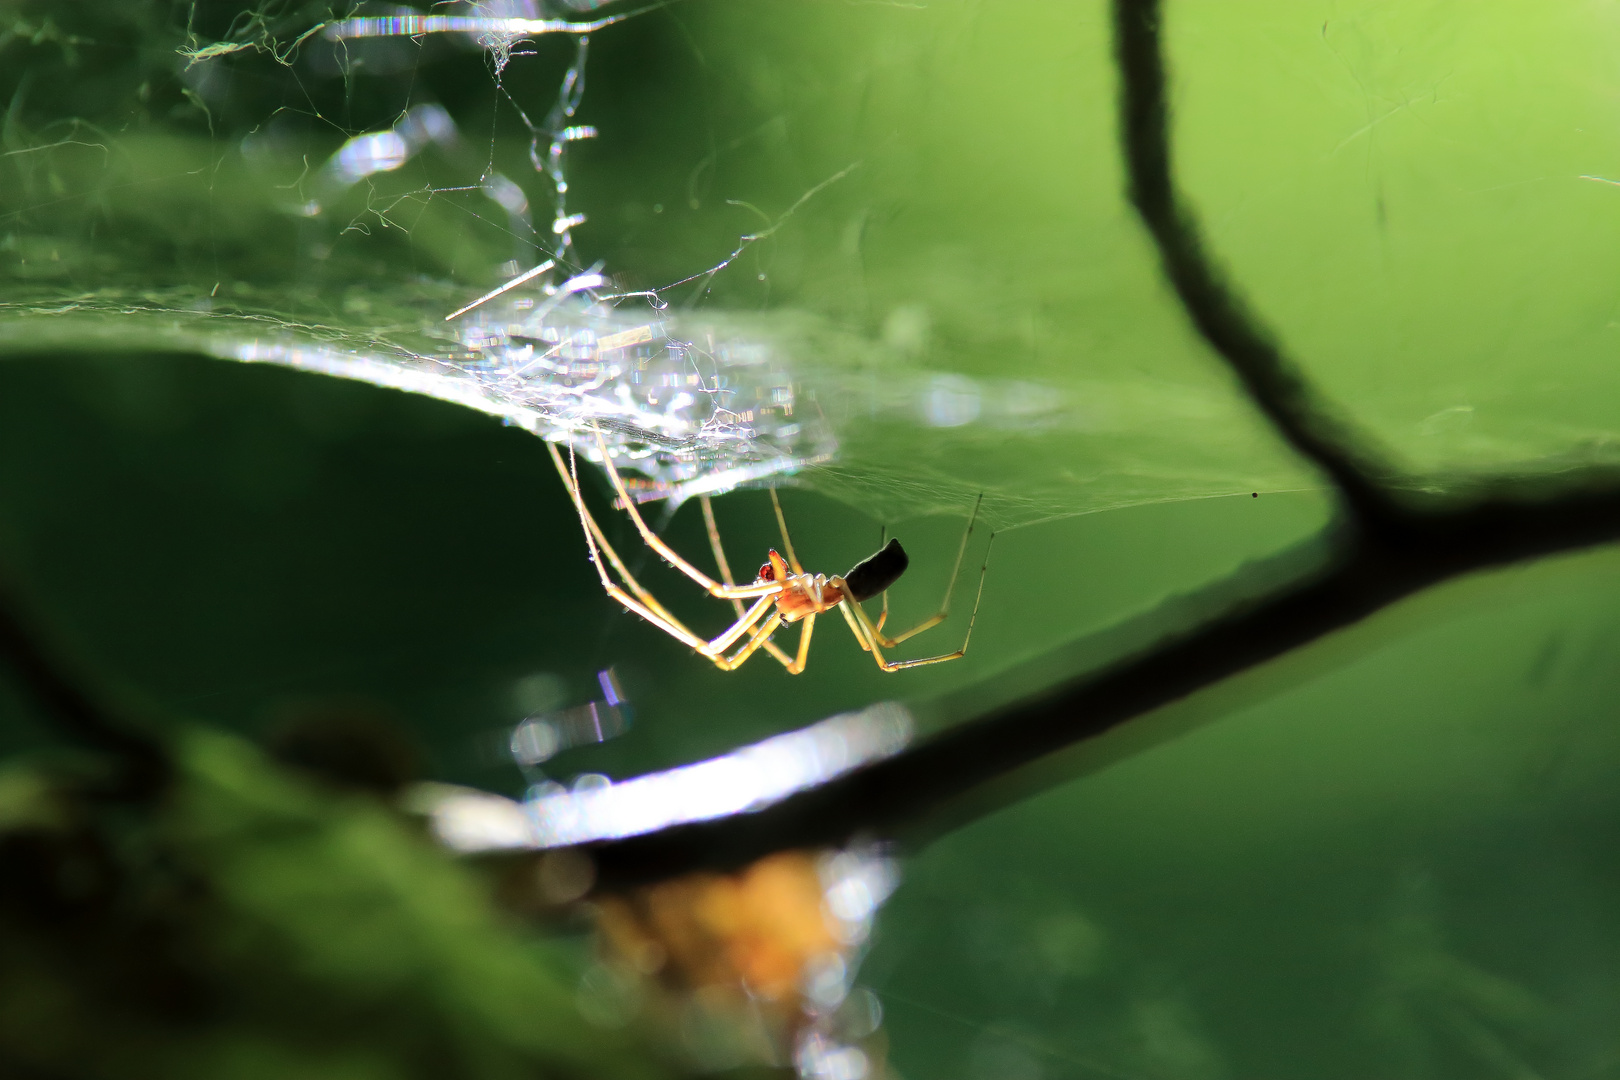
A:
x: 668, y: 626
x: 738, y: 628
x: 719, y: 552
x: 570, y: 478
x: 712, y: 648
x: 945, y: 605
x: 892, y: 666
x: 725, y: 640
x: 795, y: 666
x: 725, y: 573
x: 805, y: 627
x: 883, y: 539
x: 654, y: 541
x: 646, y: 605
x: 787, y: 542
x: 854, y: 628
x: 783, y: 658
x: 760, y: 636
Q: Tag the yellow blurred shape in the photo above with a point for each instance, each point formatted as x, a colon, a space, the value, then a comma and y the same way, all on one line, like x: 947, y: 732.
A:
x: 759, y: 929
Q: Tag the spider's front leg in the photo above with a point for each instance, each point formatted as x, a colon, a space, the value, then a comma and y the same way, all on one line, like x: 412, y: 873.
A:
x: 642, y: 602
x: 793, y: 667
x: 665, y: 552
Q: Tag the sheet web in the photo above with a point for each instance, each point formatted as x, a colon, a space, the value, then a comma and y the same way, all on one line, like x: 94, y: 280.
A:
x: 554, y: 347
x: 361, y: 214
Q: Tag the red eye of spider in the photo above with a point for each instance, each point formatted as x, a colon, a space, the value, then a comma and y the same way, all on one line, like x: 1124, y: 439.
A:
x: 767, y: 573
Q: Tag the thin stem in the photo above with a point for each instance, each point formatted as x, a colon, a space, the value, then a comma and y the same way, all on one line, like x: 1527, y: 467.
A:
x: 1274, y: 382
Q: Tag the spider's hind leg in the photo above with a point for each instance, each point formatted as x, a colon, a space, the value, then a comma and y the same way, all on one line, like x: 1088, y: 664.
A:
x: 871, y: 640
x: 945, y: 604
x: 883, y: 616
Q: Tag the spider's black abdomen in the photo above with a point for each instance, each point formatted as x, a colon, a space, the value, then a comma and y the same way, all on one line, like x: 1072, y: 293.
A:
x: 877, y: 572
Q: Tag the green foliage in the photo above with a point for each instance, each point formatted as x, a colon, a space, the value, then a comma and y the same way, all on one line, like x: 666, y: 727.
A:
x: 252, y: 922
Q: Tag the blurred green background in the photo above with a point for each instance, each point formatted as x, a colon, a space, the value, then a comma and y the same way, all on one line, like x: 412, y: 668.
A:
x: 1389, y: 855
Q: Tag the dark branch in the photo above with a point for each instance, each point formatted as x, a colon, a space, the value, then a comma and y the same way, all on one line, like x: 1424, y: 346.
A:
x: 902, y: 793
x: 1272, y: 381
x: 1387, y: 549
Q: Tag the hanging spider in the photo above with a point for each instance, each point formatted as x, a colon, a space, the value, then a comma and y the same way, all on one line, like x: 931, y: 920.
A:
x: 782, y: 585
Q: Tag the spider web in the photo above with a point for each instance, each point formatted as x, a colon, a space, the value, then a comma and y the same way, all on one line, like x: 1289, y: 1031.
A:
x: 361, y: 212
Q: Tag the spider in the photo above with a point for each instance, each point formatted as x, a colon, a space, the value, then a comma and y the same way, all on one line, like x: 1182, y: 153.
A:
x: 782, y: 584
